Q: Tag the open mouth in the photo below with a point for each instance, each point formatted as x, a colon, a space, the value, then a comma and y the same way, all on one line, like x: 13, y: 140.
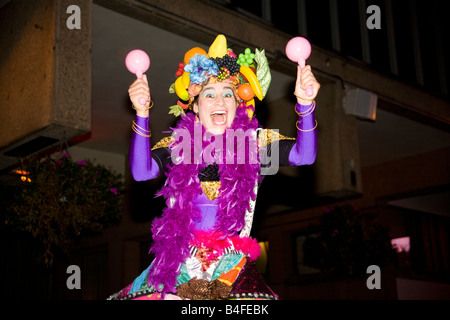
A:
x: 219, y: 117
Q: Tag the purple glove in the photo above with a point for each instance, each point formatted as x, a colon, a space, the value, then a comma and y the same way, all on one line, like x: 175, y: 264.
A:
x: 305, y: 148
x: 143, y: 166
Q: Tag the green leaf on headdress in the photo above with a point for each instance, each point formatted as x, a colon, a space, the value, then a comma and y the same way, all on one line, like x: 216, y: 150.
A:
x: 172, y: 88
x: 263, y: 71
x: 241, y: 79
x: 176, y: 110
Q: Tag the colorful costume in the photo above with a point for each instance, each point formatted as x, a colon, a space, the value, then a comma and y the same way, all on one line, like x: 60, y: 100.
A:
x: 201, y: 242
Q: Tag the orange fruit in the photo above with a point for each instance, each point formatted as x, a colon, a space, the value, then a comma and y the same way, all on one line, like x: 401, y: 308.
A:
x: 192, y: 52
x: 245, y: 91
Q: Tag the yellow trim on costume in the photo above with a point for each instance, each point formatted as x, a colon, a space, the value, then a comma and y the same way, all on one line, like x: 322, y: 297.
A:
x: 164, y: 142
x: 211, y: 189
x: 267, y: 136
x: 228, y: 283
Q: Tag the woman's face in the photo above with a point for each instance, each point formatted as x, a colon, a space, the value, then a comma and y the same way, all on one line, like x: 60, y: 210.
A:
x: 216, y: 107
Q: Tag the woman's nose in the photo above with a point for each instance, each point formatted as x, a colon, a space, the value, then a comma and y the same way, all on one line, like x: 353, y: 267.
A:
x: 219, y: 101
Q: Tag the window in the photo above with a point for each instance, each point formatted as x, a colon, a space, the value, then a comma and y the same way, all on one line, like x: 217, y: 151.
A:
x: 318, y: 23
x: 378, y: 42
x: 410, y: 43
x: 402, y: 247
x: 251, y: 6
x: 350, y: 28
x: 404, y: 41
x: 302, y: 267
x: 284, y: 16
x: 429, y: 40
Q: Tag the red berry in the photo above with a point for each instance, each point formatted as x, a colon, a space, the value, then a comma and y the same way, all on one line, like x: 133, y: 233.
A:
x: 179, y: 72
x: 181, y: 65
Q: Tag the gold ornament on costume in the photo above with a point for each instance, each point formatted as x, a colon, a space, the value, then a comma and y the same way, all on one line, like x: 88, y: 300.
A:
x: 211, y: 189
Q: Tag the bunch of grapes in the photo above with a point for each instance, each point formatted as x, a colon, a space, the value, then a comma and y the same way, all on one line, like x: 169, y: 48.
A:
x: 228, y: 63
x: 246, y: 58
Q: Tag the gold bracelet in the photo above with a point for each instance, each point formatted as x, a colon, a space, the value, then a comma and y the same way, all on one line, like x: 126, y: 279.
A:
x: 138, y: 127
x: 141, y: 134
x: 307, y: 112
x: 296, y: 94
x: 296, y: 125
x: 135, y: 127
x: 148, y: 108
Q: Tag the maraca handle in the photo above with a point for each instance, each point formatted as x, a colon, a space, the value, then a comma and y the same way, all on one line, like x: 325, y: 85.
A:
x: 141, y: 100
x: 309, y: 90
x: 301, y: 63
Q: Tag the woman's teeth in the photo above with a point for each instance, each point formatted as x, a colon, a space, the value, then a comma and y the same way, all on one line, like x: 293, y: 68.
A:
x: 219, y: 117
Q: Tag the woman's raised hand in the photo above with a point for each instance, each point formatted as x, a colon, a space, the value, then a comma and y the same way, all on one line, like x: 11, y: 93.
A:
x: 305, y: 78
x: 140, y: 89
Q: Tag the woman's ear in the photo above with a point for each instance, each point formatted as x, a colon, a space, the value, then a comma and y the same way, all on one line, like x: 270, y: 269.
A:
x: 195, y: 107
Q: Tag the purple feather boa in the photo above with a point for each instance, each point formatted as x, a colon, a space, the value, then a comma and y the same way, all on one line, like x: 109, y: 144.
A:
x: 174, y: 230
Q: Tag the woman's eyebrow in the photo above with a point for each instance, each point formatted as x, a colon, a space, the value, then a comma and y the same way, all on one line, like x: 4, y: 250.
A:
x: 209, y: 87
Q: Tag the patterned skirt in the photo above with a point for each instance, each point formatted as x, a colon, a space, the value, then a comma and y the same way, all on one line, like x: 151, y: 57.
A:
x: 223, y: 270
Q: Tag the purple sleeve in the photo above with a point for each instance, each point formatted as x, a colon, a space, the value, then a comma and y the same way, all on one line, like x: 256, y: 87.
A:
x: 143, y: 166
x: 305, y: 149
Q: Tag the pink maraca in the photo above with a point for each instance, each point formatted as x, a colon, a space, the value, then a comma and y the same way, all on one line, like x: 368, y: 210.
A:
x: 137, y: 62
x: 298, y: 50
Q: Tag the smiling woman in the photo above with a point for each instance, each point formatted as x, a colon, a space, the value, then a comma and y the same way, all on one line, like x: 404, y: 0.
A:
x: 202, y: 244
x: 216, y: 107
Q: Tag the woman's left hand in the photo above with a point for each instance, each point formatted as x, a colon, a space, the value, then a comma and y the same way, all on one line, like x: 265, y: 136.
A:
x: 305, y: 78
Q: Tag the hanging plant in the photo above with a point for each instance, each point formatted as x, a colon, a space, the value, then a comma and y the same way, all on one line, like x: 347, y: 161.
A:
x: 346, y: 242
x: 60, y: 199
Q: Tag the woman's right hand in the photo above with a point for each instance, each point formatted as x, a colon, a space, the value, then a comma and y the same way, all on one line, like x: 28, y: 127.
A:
x: 140, y: 89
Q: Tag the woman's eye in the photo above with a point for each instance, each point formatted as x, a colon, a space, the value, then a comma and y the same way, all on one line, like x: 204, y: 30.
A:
x: 228, y: 95
x: 209, y: 95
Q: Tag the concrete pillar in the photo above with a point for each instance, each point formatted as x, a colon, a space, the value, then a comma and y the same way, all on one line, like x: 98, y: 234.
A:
x: 45, y: 75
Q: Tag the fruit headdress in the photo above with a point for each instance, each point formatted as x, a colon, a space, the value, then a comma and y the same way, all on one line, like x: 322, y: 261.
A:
x: 221, y: 64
